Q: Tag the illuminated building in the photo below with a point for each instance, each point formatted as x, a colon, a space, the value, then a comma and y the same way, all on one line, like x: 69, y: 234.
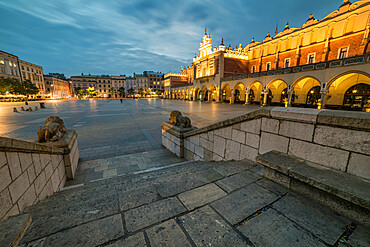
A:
x: 34, y: 73
x: 322, y: 64
x: 57, y: 88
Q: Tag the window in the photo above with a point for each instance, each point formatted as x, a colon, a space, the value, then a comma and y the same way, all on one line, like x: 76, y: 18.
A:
x: 253, y: 69
x: 343, y: 52
x: 268, y: 66
x: 10, y: 63
x: 287, y: 62
x: 311, y: 58
x: 2, y: 61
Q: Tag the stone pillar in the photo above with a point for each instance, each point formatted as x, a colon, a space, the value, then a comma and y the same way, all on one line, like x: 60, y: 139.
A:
x: 246, y: 97
x: 322, y: 103
x: 232, y: 97
x: 290, y: 95
x: 209, y: 96
x: 218, y: 93
x: 265, y: 94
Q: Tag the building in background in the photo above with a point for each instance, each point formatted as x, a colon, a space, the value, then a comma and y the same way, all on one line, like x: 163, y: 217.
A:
x: 118, y: 82
x: 84, y: 82
x: 34, y: 73
x: 131, y: 84
x: 142, y: 82
x: 176, y: 80
x: 57, y: 88
x: 12, y: 66
x: 321, y: 64
x: 9, y: 65
x: 104, y: 86
x: 154, y: 80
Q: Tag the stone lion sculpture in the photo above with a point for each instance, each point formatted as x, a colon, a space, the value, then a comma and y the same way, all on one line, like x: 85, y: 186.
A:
x: 173, y: 116
x: 178, y: 119
x: 53, y: 130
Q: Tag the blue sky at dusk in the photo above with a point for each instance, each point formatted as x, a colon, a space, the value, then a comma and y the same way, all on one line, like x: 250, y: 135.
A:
x: 122, y: 37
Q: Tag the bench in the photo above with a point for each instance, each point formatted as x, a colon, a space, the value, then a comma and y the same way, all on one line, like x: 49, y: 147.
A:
x: 343, y: 192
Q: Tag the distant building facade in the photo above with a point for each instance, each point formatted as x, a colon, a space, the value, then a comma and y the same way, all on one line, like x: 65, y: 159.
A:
x: 9, y: 65
x: 34, y: 73
x: 154, y: 80
x: 322, y: 64
x: 12, y: 66
x: 57, y: 88
x: 131, y: 83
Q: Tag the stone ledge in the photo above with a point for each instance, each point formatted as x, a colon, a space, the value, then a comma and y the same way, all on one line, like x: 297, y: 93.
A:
x: 264, y: 112
x: 13, y: 145
x: 345, y: 119
x: 343, y: 185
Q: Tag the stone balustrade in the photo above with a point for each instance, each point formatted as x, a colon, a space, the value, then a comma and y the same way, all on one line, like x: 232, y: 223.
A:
x: 30, y: 172
x: 336, y: 139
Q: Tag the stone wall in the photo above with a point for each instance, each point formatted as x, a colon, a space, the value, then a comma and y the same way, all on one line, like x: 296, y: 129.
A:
x: 336, y: 139
x: 30, y: 172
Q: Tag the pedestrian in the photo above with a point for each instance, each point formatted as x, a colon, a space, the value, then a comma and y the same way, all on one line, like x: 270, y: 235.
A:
x: 120, y: 100
x: 26, y: 103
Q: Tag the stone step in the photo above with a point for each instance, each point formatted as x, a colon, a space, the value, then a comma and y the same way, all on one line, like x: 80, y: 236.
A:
x: 13, y: 229
x: 346, y: 193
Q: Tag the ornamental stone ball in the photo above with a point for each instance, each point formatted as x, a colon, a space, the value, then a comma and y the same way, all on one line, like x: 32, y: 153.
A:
x: 53, y: 130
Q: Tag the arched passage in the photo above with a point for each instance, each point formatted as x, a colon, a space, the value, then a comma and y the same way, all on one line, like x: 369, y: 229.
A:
x: 212, y: 93
x: 306, y: 92
x: 204, y: 94
x: 239, y: 93
x: 196, y: 93
x: 349, y: 91
x: 226, y: 93
x: 277, y: 92
x: 255, y: 95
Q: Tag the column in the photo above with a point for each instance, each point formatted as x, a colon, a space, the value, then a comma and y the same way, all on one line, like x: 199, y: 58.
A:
x: 290, y: 95
x: 246, y: 97
x: 322, y: 101
x: 218, y: 93
x: 265, y: 94
x: 232, y: 96
x: 209, y: 96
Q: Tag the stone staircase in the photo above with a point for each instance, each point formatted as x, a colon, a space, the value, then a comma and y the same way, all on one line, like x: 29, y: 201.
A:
x: 188, y: 204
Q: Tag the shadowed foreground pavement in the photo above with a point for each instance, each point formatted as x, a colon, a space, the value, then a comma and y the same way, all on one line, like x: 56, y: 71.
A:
x: 188, y: 204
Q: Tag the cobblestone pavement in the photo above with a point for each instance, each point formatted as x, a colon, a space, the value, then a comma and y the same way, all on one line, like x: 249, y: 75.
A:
x: 190, y: 204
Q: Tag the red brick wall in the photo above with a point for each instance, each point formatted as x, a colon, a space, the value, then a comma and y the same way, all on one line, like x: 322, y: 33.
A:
x: 283, y: 56
x: 216, y: 65
x: 318, y: 49
x: 233, y: 65
x: 354, y: 46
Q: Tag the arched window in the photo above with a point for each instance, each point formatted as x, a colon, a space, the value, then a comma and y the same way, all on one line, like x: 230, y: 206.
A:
x: 357, y: 97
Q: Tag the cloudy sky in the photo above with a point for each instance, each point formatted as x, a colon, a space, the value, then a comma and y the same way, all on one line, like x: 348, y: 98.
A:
x: 126, y: 36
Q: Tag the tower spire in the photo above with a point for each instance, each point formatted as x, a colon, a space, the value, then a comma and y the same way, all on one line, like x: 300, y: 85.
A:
x: 276, y: 31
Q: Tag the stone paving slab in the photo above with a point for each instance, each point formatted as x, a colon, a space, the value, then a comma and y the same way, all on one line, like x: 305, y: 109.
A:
x: 167, y: 234
x: 325, y: 224
x: 238, y: 205
x: 49, y: 220
x: 273, y: 229
x: 89, y: 234
x: 206, y: 228
x: 360, y: 237
x: 237, y: 181
x: 182, y: 182
x: 137, y: 240
x: 201, y: 196
x: 13, y: 229
x: 138, y: 197
x: 147, y: 215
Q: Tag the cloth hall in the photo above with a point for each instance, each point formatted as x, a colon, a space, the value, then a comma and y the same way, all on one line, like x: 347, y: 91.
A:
x: 323, y: 64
